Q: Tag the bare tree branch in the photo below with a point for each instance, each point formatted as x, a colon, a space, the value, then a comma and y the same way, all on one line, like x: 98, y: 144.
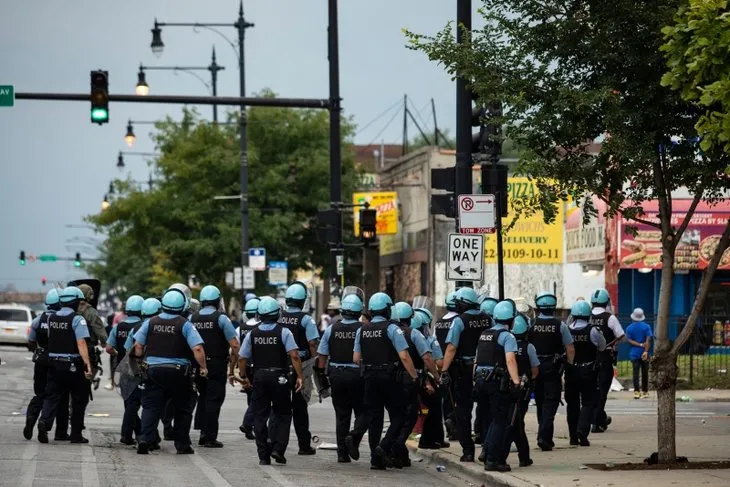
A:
x: 635, y: 218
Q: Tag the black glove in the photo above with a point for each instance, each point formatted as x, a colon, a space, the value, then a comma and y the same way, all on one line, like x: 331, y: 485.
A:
x: 517, y: 391
x: 324, y: 381
x: 445, y: 378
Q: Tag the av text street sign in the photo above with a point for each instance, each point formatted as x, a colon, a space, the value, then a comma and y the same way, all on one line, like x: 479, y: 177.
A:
x: 465, y: 258
x: 7, y: 95
x: 476, y: 214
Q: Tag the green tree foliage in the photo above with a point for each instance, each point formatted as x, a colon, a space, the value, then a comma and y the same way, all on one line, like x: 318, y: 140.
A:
x: 568, y: 73
x: 177, y: 229
x: 697, y: 46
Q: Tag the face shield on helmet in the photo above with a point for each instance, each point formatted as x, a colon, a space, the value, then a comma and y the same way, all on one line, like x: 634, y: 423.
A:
x: 352, y: 306
x: 403, y: 312
x: 380, y: 304
x: 466, y: 299
x: 524, y: 308
x: 186, y: 293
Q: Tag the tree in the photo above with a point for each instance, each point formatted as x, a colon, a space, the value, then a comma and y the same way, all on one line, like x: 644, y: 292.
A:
x: 178, y: 229
x: 568, y: 73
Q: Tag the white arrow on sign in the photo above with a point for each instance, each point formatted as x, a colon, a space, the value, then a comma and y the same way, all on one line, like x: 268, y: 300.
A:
x: 465, y: 257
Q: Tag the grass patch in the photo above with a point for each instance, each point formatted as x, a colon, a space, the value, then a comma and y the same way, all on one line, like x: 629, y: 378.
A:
x: 708, y: 371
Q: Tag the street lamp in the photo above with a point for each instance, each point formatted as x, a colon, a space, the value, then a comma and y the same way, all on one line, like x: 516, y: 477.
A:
x: 157, y: 45
x: 142, y: 88
x: 105, y: 203
x: 120, y: 157
x: 130, y: 137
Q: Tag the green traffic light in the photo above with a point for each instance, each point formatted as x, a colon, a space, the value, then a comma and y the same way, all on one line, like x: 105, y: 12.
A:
x: 99, y: 115
x: 77, y: 263
x: 22, y: 262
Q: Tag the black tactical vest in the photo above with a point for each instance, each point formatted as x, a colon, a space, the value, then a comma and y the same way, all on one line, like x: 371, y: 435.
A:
x: 267, y: 349
x: 41, y: 333
x: 412, y: 351
x: 375, y: 345
x: 244, y: 329
x: 489, y: 351
x: 601, y: 322
x: 523, y: 359
x: 585, y: 350
x: 61, y: 336
x: 165, y: 338
x: 545, y: 335
x: 442, y: 331
x: 474, y: 325
x: 342, y: 341
x: 293, y: 321
x: 214, y: 339
x: 124, y: 329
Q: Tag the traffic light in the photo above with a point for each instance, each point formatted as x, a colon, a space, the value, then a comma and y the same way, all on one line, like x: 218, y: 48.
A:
x: 100, y: 97
x: 443, y: 179
x: 44, y: 280
x: 479, y: 140
x: 368, y: 231
x: 22, y: 257
x: 77, y: 260
x: 494, y: 181
x: 329, y: 223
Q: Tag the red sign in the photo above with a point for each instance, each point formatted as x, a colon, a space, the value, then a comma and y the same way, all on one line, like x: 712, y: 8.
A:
x: 694, y: 250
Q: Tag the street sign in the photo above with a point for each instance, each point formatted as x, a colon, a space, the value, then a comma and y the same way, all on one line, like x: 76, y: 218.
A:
x: 48, y: 258
x: 229, y: 278
x: 466, y: 257
x: 257, y: 259
x: 340, y: 264
x: 476, y: 214
x: 7, y: 95
x: 237, y: 279
x: 249, y: 278
x: 278, y: 273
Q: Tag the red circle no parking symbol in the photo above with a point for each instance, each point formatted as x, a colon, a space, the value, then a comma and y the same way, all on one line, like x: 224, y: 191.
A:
x: 467, y: 204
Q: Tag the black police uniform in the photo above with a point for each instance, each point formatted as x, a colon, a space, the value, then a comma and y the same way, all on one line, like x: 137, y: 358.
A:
x: 65, y: 376
x: 271, y: 391
x: 411, y: 398
x: 40, y: 379
x: 346, y: 384
x: 604, y: 366
x: 211, y: 389
x: 247, y: 424
x: 547, y: 339
x: 167, y: 382
x: 580, y: 385
x: 131, y: 424
x: 492, y: 391
x: 462, y: 372
x: 524, y: 368
x: 442, y: 328
x: 300, y: 416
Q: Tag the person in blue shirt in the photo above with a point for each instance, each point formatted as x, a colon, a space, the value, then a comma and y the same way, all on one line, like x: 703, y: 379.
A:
x: 382, y: 350
x: 639, y: 335
x: 70, y: 367
x: 38, y: 343
x: 346, y: 384
x: 169, y: 338
x: 306, y: 335
x: 221, y: 348
x: 271, y: 348
x: 497, y: 384
x: 461, y: 345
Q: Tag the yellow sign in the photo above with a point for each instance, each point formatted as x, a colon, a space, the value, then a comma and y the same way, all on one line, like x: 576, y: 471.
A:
x: 530, y: 241
x: 386, y: 204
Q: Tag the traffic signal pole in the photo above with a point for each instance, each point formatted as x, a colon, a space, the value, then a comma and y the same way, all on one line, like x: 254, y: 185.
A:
x: 333, y: 53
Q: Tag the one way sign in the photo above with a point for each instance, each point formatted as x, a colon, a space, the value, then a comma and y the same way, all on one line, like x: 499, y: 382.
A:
x: 466, y: 257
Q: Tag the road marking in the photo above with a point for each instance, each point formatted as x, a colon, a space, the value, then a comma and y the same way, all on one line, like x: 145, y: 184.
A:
x: 210, y: 472
x: 27, y: 469
x: 277, y: 477
x: 89, y: 473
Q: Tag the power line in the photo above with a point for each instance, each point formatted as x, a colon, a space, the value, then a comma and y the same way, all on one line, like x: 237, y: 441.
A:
x: 394, y: 105
x: 385, y: 128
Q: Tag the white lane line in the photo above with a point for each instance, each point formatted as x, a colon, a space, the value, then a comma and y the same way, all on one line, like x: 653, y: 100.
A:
x: 89, y: 473
x: 210, y: 472
x: 27, y: 468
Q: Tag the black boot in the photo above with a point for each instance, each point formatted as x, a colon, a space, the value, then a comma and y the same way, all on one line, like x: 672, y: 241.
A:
x: 30, y: 420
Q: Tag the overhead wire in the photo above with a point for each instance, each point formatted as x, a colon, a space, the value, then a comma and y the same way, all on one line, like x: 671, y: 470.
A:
x: 378, y: 117
x: 385, y: 128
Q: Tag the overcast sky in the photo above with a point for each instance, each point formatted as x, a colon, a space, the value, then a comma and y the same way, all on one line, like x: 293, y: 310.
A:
x: 56, y: 165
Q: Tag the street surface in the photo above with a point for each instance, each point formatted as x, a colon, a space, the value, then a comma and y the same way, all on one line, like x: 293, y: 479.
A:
x: 106, y: 462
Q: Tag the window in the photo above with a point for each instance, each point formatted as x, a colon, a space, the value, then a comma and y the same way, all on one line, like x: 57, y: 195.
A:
x: 14, y: 315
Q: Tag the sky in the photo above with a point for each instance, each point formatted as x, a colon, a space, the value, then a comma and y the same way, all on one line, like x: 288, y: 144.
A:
x: 56, y: 165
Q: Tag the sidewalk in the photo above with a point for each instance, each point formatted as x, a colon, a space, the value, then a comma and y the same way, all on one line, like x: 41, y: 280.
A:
x: 703, y: 433
x: 695, y: 395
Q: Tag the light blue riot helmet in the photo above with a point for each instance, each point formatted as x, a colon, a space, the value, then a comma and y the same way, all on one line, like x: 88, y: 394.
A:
x: 426, y: 315
x: 546, y: 301
x: 466, y: 299
x: 53, y: 303
x: 151, y: 307
x: 600, y: 298
x: 451, y: 301
x: 519, y: 325
x: 210, y: 296
x: 380, y: 305
x: 185, y: 292
x: 268, y: 310
x: 252, y: 308
x: 351, y: 307
x: 174, y: 302
x: 296, y: 294
x: 133, y: 305
x: 70, y: 297
x: 505, y: 312
x: 581, y: 310
x: 249, y: 296
x: 404, y: 312
x: 487, y: 306
x: 417, y: 321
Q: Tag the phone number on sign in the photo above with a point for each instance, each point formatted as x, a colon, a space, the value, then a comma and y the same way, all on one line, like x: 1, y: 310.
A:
x: 524, y: 253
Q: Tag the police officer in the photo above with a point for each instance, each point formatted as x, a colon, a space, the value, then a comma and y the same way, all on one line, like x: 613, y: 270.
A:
x: 551, y: 339
x: 441, y: 331
x: 528, y: 366
x: 131, y: 423
x: 461, y: 345
x: 614, y: 334
x: 97, y: 330
x: 38, y: 343
x: 338, y: 342
x: 382, y: 350
x: 251, y: 322
x: 486, y: 306
x: 497, y: 383
x: 580, y: 379
x: 69, y: 366
x: 306, y: 337
x: 221, y: 348
x: 169, y: 338
x: 420, y: 352
x: 270, y: 347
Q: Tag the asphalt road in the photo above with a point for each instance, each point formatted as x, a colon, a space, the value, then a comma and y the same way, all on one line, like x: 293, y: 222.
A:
x: 104, y: 461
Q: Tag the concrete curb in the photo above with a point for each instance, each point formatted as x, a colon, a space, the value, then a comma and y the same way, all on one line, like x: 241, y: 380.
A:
x: 474, y: 470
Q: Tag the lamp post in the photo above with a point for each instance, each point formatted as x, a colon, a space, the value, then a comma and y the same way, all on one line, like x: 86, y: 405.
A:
x: 142, y: 88
x: 240, y: 25
x: 120, y: 157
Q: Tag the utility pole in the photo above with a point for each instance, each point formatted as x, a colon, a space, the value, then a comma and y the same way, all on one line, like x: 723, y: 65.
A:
x: 337, y: 252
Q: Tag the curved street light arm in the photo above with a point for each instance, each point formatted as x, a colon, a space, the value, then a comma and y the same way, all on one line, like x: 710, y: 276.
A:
x: 197, y: 27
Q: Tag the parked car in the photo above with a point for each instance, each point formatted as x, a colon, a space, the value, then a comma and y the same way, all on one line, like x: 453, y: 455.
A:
x: 15, y: 321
